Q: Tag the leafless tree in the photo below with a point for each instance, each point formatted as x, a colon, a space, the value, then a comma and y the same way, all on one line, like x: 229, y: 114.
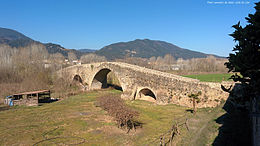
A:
x: 72, y: 56
x: 89, y: 58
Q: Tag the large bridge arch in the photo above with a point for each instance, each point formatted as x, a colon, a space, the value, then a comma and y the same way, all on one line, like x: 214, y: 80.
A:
x: 99, y: 79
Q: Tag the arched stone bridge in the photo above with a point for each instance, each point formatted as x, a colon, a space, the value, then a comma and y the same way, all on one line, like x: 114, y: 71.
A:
x: 142, y: 83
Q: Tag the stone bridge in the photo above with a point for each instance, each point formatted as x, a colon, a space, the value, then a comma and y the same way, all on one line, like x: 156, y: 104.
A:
x: 147, y: 84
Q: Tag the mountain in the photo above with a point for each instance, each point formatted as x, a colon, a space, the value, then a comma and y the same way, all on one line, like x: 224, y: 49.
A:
x: 147, y: 48
x: 55, y: 48
x: 86, y: 50
x: 17, y: 39
x: 13, y: 38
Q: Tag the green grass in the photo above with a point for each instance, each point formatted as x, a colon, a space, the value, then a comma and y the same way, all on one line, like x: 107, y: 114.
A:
x: 76, y: 119
x: 210, y: 77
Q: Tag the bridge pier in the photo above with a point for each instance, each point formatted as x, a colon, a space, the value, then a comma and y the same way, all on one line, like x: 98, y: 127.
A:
x: 127, y: 95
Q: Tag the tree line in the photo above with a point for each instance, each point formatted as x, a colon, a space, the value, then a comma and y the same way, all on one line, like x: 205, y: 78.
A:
x: 169, y: 63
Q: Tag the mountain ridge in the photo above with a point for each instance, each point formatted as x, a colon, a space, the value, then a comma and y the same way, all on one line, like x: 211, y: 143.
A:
x: 16, y: 39
x: 87, y: 50
x: 147, y: 48
x: 144, y: 48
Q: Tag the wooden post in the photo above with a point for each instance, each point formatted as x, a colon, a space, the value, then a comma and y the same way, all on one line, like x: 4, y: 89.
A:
x: 172, y: 135
x: 37, y: 98
x: 164, y: 140
x: 133, y: 125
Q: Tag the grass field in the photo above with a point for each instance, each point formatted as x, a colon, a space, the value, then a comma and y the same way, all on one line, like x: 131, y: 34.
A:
x: 210, y: 77
x: 76, y: 120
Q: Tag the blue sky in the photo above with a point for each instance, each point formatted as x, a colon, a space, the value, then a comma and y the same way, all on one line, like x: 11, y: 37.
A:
x: 193, y: 24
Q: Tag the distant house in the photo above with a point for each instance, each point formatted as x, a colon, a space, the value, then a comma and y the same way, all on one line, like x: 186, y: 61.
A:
x: 76, y: 62
x: 47, y: 65
x: 175, y: 67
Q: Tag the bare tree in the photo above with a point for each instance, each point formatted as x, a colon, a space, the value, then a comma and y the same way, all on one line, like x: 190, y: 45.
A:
x: 57, y: 58
x: 72, y: 56
x: 159, y: 60
x: 152, y: 59
x: 169, y: 59
x: 89, y: 58
x: 194, y: 97
x: 6, y: 53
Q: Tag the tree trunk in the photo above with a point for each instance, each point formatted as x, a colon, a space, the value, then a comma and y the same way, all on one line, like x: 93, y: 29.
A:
x: 194, y: 105
x: 255, y: 118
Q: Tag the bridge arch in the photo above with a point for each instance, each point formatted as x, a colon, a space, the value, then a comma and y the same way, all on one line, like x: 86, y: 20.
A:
x: 79, y: 82
x: 99, y: 79
x: 77, y: 78
x: 146, y: 93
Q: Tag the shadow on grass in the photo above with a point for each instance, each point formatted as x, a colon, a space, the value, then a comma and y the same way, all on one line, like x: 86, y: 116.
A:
x: 44, y: 101
x: 133, y: 126
x: 115, y: 87
x: 4, y: 107
x: 190, y: 110
x: 137, y: 124
x: 235, y: 129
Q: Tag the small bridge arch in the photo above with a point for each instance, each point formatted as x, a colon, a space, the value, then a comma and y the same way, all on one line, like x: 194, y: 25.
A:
x: 78, y: 81
x: 77, y: 78
x: 146, y: 93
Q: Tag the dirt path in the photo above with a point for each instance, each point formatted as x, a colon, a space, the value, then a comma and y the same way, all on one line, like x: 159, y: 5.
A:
x: 198, y: 134
x: 201, y: 127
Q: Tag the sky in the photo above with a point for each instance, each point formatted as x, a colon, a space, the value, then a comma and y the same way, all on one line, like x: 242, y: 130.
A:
x: 199, y: 25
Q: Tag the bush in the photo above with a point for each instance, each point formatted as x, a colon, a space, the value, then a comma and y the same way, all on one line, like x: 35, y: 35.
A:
x: 116, y: 107
x: 64, y: 88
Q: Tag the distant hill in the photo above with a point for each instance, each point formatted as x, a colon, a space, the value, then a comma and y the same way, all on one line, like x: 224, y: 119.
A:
x: 17, y: 39
x: 86, y: 50
x: 55, y: 48
x: 147, y: 48
x: 13, y: 38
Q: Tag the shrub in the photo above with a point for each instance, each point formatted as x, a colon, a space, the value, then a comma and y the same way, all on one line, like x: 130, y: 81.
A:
x: 116, y: 107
